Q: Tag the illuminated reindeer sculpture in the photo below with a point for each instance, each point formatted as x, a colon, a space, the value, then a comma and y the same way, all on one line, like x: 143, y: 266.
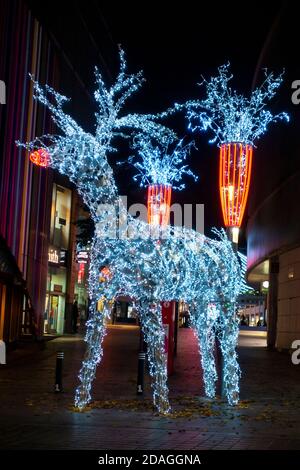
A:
x: 173, y: 264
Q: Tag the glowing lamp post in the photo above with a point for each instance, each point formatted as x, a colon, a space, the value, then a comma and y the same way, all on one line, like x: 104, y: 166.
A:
x: 40, y: 157
x: 158, y: 204
x: 234, y: 181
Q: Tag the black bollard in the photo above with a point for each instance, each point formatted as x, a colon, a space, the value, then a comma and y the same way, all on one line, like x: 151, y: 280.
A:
x: 141, y: 372
x: 141, y: 365
x: 58, y: 372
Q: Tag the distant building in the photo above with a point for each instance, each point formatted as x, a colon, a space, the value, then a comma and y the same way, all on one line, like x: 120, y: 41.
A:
x: 252, y: 310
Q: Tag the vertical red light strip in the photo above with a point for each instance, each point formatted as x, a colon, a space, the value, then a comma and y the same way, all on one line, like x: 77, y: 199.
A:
x: 243, y: 182
x: 155, y: 216
x: 81, y: 273
x: 228, y: 181
x: 233, y: 200
x: 169, y: 198
x: 248, y: 168
x: 239, y: 192
x: 148, y: 203
x: 164, y: 202
x: 225, y: 175
x: 221, y: 181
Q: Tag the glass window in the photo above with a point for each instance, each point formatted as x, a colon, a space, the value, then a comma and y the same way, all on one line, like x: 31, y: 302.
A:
x: 60, y: 216
x: 54, y: 316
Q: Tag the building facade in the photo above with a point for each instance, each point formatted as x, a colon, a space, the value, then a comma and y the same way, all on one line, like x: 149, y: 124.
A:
x: 38, y: 207
x: 273, y: 231
x: 24, y: 191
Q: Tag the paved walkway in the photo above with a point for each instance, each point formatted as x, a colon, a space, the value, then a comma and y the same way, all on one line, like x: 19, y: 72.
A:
x: 33, y: 417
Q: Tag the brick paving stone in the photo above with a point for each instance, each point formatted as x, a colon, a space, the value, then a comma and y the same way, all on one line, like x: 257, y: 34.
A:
x: 33, y: 416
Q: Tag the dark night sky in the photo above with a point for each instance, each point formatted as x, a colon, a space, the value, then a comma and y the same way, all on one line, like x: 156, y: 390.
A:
x: 174, y: 43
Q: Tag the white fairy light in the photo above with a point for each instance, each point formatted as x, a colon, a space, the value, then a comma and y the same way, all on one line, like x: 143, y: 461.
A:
x: 232, y: 117
x: 181, y: 265
x: 160, y: 162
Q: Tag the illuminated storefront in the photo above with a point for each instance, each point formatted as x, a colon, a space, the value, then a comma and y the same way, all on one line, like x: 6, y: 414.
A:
x: 55, y: 300
x: 58, y: 254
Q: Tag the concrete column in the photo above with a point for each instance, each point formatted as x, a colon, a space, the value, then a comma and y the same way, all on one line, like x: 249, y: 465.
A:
x: 272, y: 302
x: 71, y: 264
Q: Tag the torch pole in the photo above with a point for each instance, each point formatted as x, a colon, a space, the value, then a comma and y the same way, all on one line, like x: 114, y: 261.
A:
x: 233, y: 236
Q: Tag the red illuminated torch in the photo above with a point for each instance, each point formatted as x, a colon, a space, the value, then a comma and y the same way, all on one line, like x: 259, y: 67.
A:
x: 234, y: 182
x: 40, y: 157
x: 159, y: 202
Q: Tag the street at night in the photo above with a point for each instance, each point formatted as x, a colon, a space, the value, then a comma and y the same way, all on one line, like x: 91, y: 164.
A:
x: 149, y: 233
x: 32, y: 416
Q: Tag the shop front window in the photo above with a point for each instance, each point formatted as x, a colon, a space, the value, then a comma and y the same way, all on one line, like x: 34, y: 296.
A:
x: 54, y: 316
x: 60, y: 216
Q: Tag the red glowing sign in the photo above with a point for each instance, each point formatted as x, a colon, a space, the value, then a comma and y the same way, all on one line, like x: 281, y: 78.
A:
x: 159, y: 201
x: 234, y: 181
x: 40, y: 157
x: 81, y: 271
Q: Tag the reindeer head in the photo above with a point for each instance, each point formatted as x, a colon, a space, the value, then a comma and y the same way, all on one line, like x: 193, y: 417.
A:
x: 83, y: 156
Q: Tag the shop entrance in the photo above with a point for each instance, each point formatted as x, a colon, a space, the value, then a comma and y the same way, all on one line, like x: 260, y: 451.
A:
x: 54, y: 317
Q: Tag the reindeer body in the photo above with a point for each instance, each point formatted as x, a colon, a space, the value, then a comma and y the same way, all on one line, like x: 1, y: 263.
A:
x: 170, y: 264
x: 173, y: 264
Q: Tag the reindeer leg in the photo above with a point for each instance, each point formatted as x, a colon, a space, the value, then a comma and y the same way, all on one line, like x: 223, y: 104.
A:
x: 151, y: 323
x: 228, y: 336
x: 95, y: 333
x: 203, y: 326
